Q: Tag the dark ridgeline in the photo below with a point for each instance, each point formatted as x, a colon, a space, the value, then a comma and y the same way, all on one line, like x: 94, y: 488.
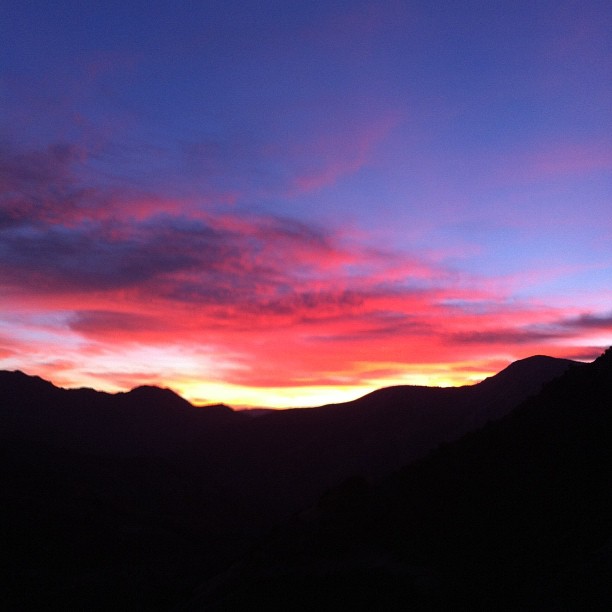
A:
x: 98, y: 510
x: 132, y: 499
x: 516, y: 516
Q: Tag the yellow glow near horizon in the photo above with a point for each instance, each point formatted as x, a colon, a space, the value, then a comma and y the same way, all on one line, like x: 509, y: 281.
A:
x: 203, y: 380
x: 239, y: 397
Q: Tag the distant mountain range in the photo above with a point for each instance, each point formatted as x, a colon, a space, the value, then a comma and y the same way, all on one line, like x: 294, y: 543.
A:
x: 150, y: 421
x: 138, y: 497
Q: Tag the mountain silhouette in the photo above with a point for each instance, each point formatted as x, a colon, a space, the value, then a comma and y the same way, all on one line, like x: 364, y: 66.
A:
x: 140, y: 496
x: 288, y: 457
x: 514, y: 516
x: 147, y: 421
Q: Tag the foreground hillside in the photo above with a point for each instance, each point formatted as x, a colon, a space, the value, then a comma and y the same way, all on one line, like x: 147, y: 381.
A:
x: 274, y: 464
x: 515, y: 516
x: 132, y: 499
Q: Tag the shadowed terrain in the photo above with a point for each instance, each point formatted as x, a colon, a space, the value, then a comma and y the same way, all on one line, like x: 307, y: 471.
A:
x: 514, y: 516
x: 133, y: 499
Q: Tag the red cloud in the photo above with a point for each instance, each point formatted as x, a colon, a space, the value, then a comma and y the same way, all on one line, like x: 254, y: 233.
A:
x: 242, y: 301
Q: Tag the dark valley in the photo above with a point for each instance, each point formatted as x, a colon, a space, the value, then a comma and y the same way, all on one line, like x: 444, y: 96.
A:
x: 418, y: 497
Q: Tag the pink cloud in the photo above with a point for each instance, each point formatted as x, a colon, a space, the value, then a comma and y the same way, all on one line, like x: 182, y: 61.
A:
x: 256, y: 300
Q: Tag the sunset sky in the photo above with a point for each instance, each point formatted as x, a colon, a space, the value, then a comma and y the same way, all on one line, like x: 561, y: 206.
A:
x: 281, y: 203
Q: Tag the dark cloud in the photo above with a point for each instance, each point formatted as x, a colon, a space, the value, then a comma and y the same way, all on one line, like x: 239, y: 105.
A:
x: 305, y: 302
x: 51, y: 242
x: 245, y: 294
x: 561, y: 328
x: 58, y: 238
x: 504, y: 336
x: 39, y: 186
x: 90, y: 258
x: 378, y: 326
x: 93, y: 321
x: 590, y: 321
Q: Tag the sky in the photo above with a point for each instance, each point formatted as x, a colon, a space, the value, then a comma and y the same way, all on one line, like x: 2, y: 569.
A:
x: 280, y: 203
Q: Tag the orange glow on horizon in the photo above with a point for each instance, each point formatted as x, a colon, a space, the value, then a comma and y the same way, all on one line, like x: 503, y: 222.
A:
x: 201, y: 392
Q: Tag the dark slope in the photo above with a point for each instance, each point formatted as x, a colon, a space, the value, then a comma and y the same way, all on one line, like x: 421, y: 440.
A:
x: 278, y: 462
x: 135, y: 497
x: 515, y: 516
x: 381, y: 430
x: 289, y: 457
x: 99, y: 508
x: 147, y: 421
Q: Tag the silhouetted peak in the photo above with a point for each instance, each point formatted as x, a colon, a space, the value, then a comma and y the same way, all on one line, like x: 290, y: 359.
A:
x: 532, y: 367
x: 534, y: 361
x: 216, y: 409
x: 18, y: 375
x: 20, y: 380
x: 604, y: 361
x: 152, y: 394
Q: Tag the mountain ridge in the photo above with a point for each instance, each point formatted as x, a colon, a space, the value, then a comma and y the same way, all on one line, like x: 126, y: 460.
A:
x: 513, y: 516
x: 195, y: 487
x: 301, y: 450
x: 146, y: 391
